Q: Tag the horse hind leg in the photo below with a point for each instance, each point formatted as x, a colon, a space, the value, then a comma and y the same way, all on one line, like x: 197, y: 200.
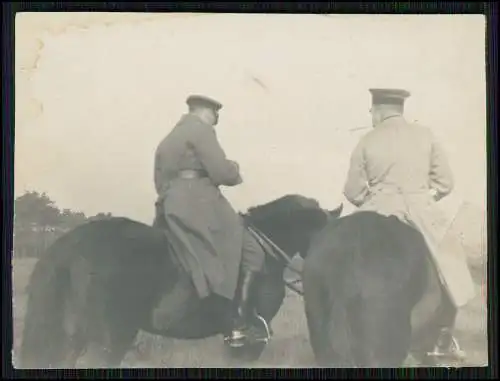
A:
x: 384, y: 332
x: 121, y: 341
x: 75, y: 349
x: 400, y: 336
x: 110, y: 351
x: 76, y: 341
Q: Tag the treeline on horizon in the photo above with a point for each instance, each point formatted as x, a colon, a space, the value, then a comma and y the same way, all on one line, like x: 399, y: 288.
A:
x: 38, y: 222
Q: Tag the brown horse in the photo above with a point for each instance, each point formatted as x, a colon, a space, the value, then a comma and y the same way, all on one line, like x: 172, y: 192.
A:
x: 98, y: 284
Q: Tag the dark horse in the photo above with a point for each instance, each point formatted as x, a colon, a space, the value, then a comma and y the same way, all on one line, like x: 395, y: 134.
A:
x: 99, y: 283
x: 363, y: 276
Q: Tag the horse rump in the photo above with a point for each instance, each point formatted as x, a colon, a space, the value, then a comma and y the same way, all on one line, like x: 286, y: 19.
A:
x: 361, y: 277
x: 83, y: 275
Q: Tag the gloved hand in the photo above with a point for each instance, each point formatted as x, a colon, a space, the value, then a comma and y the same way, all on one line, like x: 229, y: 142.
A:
x: 235, y: 164
x: 240, y: 179
x: 435, y: 195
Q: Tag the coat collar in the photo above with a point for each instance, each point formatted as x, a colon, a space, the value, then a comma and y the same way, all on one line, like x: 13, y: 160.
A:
x: 190, y: 117
x: 396, y: 118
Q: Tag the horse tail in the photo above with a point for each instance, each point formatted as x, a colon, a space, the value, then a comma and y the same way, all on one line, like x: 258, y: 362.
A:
x: 44, y: 336
x: 330, y: 289
x: 326, y: 302
x: 343, y: 291
x: 316, y: 312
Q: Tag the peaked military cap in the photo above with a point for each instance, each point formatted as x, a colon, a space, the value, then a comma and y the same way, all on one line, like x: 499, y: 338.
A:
x: 201, y: 100
x: 389, y: 96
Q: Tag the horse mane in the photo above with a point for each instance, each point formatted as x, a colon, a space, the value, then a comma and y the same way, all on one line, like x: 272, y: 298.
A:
x: 287, y: 204
x: 289, y: 212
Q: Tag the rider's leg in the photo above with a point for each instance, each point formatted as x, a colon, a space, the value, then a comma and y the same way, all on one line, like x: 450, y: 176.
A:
x: 251, y: 266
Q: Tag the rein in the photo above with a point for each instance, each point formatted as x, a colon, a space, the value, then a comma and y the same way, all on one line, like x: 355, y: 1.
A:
x: 265, y: 242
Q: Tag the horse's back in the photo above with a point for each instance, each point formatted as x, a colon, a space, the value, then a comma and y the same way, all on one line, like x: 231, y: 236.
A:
x: 118, y: 241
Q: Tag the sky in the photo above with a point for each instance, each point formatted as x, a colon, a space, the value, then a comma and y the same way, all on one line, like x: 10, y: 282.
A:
x: 95, y: 94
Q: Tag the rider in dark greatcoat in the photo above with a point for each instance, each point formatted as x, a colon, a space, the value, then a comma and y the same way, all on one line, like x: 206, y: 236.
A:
x: 211, y: 242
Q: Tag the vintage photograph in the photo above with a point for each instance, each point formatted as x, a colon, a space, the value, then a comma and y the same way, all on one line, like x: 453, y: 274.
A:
x: 249, y: 190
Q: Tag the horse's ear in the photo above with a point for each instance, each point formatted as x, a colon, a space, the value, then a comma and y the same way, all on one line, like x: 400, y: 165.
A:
x: 336, y: 212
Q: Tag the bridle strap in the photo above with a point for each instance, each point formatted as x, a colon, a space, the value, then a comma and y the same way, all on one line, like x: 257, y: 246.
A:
x: 266, y: 242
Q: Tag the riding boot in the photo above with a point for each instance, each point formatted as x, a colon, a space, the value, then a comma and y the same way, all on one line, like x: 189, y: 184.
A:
x: 244, y: 300
x: 245, y: 312
x: 447, y: 346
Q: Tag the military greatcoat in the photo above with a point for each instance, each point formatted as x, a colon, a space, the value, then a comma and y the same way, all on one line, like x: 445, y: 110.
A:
x: 203, y: 227
x: 393, y: 170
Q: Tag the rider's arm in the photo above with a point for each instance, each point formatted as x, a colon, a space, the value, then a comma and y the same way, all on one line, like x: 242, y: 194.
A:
x: 440, y: 174
x: 356, y: 186
x: 213, y: 158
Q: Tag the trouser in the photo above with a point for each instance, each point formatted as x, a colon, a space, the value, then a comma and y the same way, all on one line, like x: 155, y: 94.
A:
x: 253, y: 256
x: 176, y: 304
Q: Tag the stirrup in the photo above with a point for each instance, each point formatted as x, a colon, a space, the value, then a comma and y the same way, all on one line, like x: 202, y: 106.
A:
x: 238, y: 339
x: 266, y: 328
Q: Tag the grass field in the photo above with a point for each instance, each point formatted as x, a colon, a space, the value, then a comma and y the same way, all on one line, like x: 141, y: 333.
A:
x: 288, y: 348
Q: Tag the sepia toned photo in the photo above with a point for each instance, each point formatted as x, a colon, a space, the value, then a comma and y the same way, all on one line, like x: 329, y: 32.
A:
x: 249, y: 190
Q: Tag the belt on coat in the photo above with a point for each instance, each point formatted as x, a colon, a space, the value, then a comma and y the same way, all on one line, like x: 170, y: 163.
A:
x: 399, y: 190
x: 192, y: 174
